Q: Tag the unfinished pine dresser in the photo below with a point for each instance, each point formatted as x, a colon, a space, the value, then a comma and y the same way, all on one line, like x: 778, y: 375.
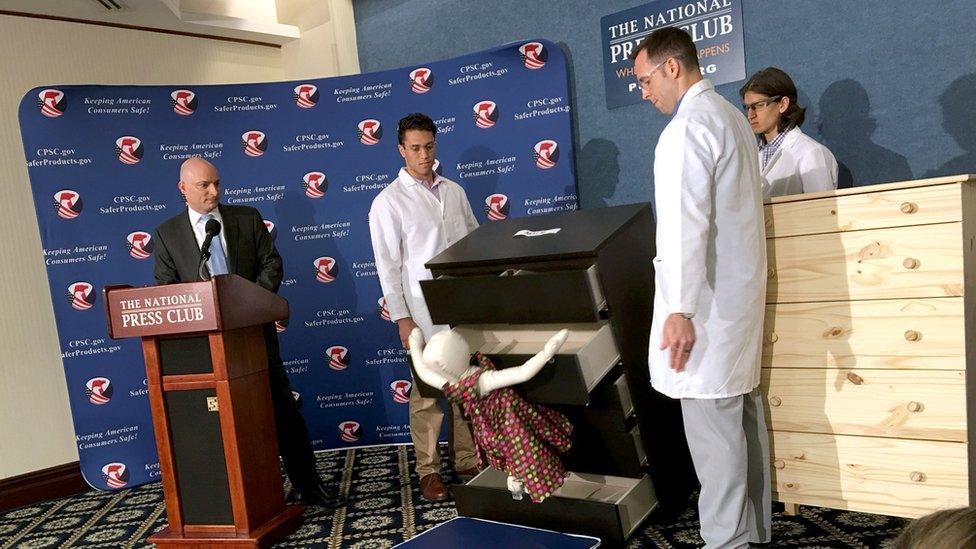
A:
x: 868, y: 344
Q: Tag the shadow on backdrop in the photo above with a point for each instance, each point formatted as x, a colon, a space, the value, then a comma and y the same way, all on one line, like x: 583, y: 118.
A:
x: 598, y: 173
x: 959, y: 120
x: 846, y: 125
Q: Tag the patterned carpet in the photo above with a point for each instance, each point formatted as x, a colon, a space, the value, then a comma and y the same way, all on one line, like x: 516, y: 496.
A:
x: 385, y: 508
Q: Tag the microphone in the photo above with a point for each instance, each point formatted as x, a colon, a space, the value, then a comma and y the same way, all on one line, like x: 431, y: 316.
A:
x: 213, y: 229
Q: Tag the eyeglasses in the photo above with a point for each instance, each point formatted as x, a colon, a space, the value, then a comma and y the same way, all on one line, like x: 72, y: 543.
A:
x: 645, y: 81
x: 761, y: 103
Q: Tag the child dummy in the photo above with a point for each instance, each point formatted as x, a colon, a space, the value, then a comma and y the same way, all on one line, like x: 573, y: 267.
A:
x: 517, y: 437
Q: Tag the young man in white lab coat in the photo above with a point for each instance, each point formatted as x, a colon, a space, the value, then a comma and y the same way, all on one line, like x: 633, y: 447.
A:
x: 791, y: 161
x: 710, y: 273
x: 413, y: 219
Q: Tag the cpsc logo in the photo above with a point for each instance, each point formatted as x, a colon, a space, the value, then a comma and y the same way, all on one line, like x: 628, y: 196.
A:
x: 338, y: 357
x: 281, y: 325
x: 82, y: 295
x: 349, y: 431
x: 400, y: 389
x: 421, y: 80
x: 325, y: 269
x: 384, y: 312
x: 298, y: 398
x: 546, y: 153
x: 51, y: 102
x: 129, y: 149
x: 140, y: 244
x: 370, y: 131
x: 485, y: 114
x: 315, y: 184
x: 271, y: 229
x: 306, y: 95
x: 99, y: 390
x: 254, y: 143
x: 116, y: 475
x: 184, y: 102
x: 496, y: 206
x: 68, y: 204
x: 533, y: 55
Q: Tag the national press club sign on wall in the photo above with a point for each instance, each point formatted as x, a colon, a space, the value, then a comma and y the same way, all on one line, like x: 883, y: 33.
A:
x: 310, y: 155
x: 714, y: 25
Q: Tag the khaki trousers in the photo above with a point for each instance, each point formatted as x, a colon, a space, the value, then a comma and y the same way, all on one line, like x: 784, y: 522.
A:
x: 426, y: 416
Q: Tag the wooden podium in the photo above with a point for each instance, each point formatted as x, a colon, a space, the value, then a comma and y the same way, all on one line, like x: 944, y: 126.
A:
x: 206, y: 372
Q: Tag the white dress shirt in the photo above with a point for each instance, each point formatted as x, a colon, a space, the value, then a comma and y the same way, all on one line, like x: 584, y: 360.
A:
x: 200, y: 229
x: 408, y: 226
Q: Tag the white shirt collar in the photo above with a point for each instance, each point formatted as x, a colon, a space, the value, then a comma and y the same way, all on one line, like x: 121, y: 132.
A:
x: 195, y: 216
x: 409, y: 181
x: 696, y: 89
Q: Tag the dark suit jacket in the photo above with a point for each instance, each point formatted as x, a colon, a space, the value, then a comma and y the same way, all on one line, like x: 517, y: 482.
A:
x: 251, y: 254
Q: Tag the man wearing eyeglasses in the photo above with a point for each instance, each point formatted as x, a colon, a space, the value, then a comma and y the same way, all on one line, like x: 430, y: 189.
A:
x: 413, y: 219
x: 710, y: 283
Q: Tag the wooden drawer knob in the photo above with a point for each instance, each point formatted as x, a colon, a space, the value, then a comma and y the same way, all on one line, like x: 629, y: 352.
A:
x: 775, y: 401
x: 779, y: 464
x: 771, y: 272
x: 911, y: 263
x: 854, y: 378
x: 915, y: 406
x: 917, y: 476
x: 769, y: 222
x: 909, y: 207
x: 772, y: 337
x: 912, y: 335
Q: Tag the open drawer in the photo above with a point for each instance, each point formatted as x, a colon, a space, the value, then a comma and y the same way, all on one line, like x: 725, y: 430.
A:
x: 610, y: 408
x: 606, y: 452
x: 607, y: 507
x: 515, y: 296
x: 587, y: 356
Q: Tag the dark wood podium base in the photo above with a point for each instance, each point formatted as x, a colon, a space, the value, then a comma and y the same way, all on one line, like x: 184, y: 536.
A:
x: 217, y: 538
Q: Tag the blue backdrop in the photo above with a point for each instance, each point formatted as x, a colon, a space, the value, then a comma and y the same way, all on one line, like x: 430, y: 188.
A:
x: 310, y: 155
x: 889, y: 86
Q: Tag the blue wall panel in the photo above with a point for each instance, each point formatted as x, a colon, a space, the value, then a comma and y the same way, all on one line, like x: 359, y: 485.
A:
x: 889, y: 86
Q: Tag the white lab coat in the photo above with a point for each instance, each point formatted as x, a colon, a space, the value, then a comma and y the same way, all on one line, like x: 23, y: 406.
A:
x: 711, y: 249
x: 408, y: 226
x: 800, y: 165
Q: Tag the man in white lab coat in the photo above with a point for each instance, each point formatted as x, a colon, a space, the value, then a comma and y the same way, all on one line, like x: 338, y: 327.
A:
x: 710, y: 273
x: 413, y: 219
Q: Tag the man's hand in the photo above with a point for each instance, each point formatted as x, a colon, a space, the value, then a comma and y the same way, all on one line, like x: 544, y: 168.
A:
x: 678, y: 336
x: 405, y: 326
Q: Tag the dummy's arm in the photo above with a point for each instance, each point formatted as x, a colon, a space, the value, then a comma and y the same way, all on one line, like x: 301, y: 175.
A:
x: 496, y: 379
x: 429, y: 376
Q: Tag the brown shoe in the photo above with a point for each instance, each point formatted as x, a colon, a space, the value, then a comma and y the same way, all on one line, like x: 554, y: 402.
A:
x: 432, y: 487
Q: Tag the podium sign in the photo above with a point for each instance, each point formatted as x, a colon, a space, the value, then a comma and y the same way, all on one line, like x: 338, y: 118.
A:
x: 172, y: 309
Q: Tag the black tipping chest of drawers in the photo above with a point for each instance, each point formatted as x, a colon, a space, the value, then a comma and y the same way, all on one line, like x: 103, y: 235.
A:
x: 510, y: 285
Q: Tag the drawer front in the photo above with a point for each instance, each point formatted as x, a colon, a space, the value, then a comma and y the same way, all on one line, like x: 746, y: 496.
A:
x: 523, y: 298
x: 890, y: 403
x: 587, y: 356
x: 907, y: 478
x: 610, y: 508
x: 891, y: 334
x: 905, y: 262
x: 918, y: 206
